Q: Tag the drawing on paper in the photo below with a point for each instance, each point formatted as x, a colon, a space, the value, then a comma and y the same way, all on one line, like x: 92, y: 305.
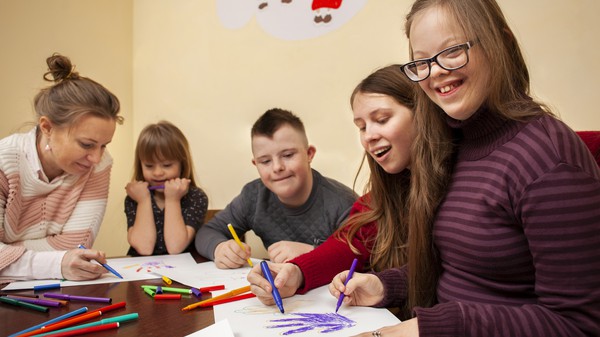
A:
x: 321, y: 322
x: 290, y: 307
x: 148, y: 267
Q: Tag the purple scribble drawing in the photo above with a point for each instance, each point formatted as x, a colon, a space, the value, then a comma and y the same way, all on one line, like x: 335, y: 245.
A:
x: 150, y: 265
x: 328, y: 322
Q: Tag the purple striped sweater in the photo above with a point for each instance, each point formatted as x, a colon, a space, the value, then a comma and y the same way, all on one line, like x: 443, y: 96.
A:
x: 518, y: 235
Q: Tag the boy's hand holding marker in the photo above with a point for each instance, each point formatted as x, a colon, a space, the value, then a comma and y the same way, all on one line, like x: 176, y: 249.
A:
x: 287, y: 278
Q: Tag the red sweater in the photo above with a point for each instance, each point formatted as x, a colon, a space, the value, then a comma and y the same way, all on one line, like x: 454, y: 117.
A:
x: 320, y: 265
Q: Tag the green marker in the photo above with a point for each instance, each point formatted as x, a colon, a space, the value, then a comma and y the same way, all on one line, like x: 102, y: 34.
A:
x: 117, y: 319
x: 23, y: 304
x: 171, y: 289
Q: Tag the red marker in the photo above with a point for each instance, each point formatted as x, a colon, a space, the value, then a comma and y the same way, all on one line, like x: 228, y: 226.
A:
x: 167, y: 296
x: 82, y: 331
x: 227, y: 300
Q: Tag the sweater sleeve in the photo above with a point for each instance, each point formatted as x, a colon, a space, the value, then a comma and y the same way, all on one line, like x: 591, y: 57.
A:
x: 320, y: 265
x: 215, y: 231
x: 561, y: 220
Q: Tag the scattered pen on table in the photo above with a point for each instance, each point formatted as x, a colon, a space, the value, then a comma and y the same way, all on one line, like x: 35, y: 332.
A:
x: 38, y: 301
x: 52, y: 321
x: 267, y: 273
x: 116, y: 319
x: 350, y: 273
x: 87, y: 330
x: 46, y: 286
x: 73, y: 320
x: 105, y: 265
x: 239, y: 242
x: 227, y: 300
x: 78, y: 298
x: 23, y: 304
x: 167, y: 280
x: 229, y: 294
x: 2, y: 293
x: 156, y: 187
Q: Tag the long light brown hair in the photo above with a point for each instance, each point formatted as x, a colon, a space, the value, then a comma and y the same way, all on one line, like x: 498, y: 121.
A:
x: 387, y: 202
x: 163, y: 141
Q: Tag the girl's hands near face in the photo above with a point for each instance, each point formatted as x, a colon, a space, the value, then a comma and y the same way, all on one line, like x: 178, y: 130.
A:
x: 286, y: 276
x: 138, y: 191
x: 176, y: 188
x: 362, y: 289
x: 77, y: 264
x: 408, y: 328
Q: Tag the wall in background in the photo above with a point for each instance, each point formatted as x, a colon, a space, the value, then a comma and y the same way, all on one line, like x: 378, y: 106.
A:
x: 174, y: 60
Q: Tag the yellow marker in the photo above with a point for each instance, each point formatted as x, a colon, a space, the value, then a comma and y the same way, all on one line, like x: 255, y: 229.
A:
x: 232, y: 293
x: 167, y: 280
x: 237, y: 239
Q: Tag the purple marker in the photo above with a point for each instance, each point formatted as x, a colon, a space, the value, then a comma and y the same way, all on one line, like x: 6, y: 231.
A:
x: 196, y: 292
x: 78, y: 298
x: 350, y: 273
x: 46, y: 303
x: 157, y: 187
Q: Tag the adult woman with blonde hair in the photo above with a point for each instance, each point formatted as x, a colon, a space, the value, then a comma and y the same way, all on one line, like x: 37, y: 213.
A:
x: 54, y: 180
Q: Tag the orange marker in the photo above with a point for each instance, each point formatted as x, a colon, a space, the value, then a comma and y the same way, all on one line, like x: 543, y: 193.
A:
x: 232, y: 293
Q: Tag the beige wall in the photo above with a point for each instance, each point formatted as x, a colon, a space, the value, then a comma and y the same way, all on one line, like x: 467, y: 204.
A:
x: 172, y: 59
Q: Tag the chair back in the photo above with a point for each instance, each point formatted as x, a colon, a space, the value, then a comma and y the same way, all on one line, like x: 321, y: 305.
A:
x: 592, y: 140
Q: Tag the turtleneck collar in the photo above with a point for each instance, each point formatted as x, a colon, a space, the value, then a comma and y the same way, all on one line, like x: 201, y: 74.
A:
x: 482, y: 133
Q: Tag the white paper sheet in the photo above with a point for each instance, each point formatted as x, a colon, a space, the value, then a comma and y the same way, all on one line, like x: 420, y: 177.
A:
x: 207, y: 274
x: 219, y: 329
x: 313, y: 312
x: 131, y: 268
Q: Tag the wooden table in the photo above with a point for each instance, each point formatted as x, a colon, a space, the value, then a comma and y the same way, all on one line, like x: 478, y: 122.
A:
x: 156, y: 317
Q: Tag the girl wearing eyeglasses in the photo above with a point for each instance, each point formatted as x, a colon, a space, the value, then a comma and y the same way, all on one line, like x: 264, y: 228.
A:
x: 518, y: 234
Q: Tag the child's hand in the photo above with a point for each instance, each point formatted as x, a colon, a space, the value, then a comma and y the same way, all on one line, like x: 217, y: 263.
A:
x: 137, y: 190
x: 229, y: 255
x: 176, y: 188
x: 284, y: 251
x: 362, y: 289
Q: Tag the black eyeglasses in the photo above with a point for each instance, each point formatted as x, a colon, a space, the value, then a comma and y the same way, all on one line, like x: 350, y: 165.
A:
x: 451, y: 58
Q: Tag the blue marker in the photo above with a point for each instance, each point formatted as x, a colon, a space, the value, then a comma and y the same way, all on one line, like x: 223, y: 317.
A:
x: 339, y: 302
x: 46, y: 286
x: 265, y: 270
x: 105, y: 265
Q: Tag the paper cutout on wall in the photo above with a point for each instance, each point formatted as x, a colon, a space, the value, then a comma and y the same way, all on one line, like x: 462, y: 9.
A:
x: 289, y: 19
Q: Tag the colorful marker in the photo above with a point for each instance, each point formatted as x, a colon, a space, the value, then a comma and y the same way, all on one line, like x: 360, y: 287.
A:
x: 82, y: 331
x: 229, y: 294
x: 238, y: 241
x: 167, y: 280
x: 78, y: 298
x: 157, y: 187
x: 116, y: 319
x: 350, y: 273
x: 23, y: 304
x: 38, y: 301
x: 227, y: 300
x: 46, y: 286
x: 167, y: 296
x: 169, y: 289
x: 267, y: 273
x: 52, y: 321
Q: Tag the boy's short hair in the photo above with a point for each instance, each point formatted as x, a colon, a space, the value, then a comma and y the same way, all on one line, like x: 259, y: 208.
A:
x: 273, y: 119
